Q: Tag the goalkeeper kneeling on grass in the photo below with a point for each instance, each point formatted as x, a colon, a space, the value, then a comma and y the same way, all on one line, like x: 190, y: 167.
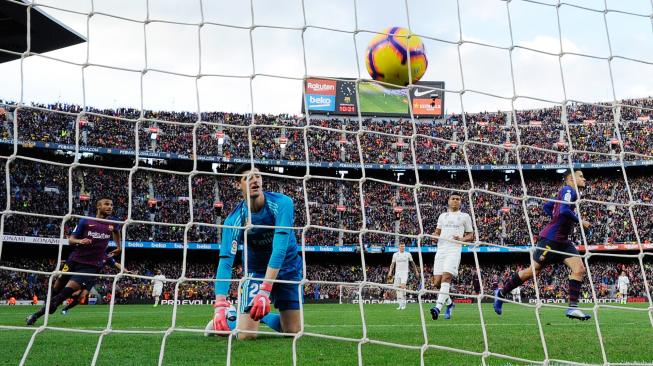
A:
x: 271, y: 255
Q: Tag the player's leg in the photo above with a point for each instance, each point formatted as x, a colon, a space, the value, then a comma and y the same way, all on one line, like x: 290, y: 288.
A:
x: 76, y: 298
x: 624, y: 295
x: 445, y: 286
x: 290, y: 321
x: 449, y: 305
x: 448, y: 265
x: 287, y: 298
x: 515, y: 280
x: 65, y: 293
x: 156, y: 293
x: 438, y: 264
x: 246, y: 325
x: 541, y: 257
x: 400, y: 282
x: 402, y: 296
x: 438, y: 269
x: 576, y: 277
x: 60, y: 292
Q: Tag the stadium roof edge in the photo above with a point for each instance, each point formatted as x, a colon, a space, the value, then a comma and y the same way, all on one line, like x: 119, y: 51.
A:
x: 47, y: 34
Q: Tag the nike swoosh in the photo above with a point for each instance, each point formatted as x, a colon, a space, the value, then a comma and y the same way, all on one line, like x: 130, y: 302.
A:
x: 420, y: 93
x: 262, y: 300
x: 91, y: 225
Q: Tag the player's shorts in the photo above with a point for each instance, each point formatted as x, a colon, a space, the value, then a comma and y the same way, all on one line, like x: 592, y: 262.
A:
x: 156, y: 291
x: 284, y: 296
x: 401, y: 278
x: 447, y: 260
x: 543, y: 254
x: 623, y: 290
x: 86, y: 282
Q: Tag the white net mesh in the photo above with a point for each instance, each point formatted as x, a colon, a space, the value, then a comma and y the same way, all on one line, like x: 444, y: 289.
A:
x: 361, y: 141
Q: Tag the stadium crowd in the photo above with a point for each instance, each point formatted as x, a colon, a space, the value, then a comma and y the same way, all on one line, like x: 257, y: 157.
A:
x: 390, y: 212
x: 591, y: 131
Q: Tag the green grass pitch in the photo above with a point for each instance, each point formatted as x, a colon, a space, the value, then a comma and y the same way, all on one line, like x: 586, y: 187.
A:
x: 628, y: 337
x: 374, y: 99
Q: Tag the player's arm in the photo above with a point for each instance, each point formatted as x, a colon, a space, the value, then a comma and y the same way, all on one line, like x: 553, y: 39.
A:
x: 438, y: 227
x: 111, y: 261
x: 392, y: 267
x: 77, y: 232
x: 118, y: 240
x: 548, y: 208
x: 567, y: 210
x: 228, y: 250
x: 469, y: 231
x: 284, y: 219
x: 414, y: 265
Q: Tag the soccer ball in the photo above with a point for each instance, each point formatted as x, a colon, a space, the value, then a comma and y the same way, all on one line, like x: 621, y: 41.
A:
x: 387, y: 59
x: 231, y: 321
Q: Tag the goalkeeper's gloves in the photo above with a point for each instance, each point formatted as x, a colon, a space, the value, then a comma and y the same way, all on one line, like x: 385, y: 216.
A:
x: 220, y: 315
x: 261, y: 304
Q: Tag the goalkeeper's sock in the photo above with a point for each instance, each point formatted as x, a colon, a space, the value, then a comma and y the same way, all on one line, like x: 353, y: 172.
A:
x: 272, y: 320
x: 574, y: 292
x: 512, y: 283
x: 156, y: 301
x: 443, y: 296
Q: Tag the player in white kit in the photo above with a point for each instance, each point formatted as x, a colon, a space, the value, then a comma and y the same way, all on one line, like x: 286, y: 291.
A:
x: 516, y: 294
x: 455, y: 225
x: 623, y: 281
x: 401, y: 260
x: 157, y: 286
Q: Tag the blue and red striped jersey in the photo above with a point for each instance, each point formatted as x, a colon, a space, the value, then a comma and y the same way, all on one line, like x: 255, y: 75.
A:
x: 563, y: 217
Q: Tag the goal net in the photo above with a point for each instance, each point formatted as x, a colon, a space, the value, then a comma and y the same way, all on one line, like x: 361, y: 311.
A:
x: 163, y: 99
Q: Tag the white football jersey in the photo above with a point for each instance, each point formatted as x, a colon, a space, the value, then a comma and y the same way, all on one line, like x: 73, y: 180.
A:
x: 401, y: 261
x: 623, y: 281
x: 453, y: 224
x: 158, y: 280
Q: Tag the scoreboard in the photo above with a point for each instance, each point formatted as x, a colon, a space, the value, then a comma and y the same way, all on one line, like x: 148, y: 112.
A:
x: 339, y: 97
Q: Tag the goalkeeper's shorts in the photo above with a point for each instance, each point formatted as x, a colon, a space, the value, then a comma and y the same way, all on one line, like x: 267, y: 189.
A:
x: 284, y: 296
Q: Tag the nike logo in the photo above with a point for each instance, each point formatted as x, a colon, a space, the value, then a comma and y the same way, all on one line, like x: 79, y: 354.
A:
x: 262, y: 300
x: 421, y: 93
x: 91, y: 225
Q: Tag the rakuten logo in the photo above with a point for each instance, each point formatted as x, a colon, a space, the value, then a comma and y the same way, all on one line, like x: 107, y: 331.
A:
x: 324, y: 87
x: 317, y: 87
x: 97, y: 235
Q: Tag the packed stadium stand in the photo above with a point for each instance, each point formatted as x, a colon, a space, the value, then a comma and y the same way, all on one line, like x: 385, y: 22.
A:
x: 108, y: 140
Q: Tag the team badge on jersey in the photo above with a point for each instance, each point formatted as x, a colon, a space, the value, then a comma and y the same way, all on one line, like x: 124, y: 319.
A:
x: 234, y: 247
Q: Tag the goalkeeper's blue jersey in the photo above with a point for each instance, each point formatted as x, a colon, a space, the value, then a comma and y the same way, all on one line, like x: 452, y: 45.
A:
x: 274, y: 247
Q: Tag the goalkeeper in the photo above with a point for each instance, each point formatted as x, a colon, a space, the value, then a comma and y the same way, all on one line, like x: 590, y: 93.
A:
x: 271, y: 254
